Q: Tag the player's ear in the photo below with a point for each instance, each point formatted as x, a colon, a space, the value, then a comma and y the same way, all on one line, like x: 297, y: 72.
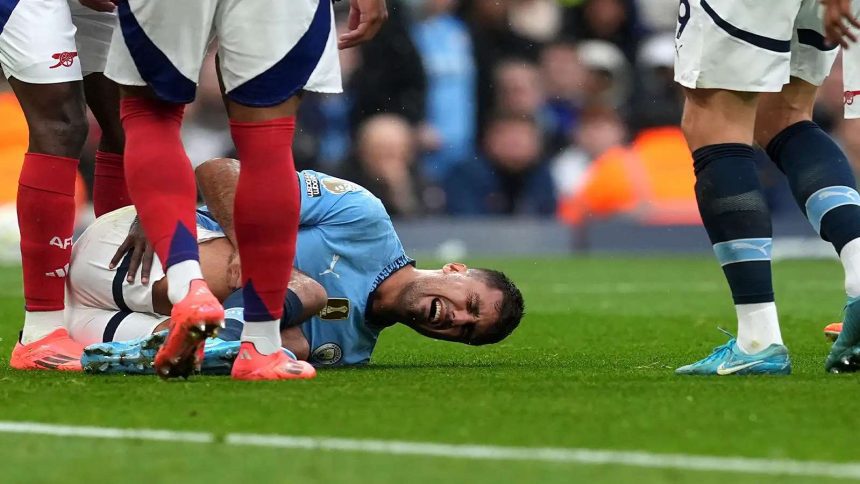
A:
x: 454, y: 267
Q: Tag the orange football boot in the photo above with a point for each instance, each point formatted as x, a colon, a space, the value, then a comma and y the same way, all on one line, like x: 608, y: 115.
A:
x: 197, y: 317
x: 832, y: 330
x: 57, y: 351
x: 251, y: 365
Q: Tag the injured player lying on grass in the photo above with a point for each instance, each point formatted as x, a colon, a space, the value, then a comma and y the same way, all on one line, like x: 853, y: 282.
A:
x: 353, y: 280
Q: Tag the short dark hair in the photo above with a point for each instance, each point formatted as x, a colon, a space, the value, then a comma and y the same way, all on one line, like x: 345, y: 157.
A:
x: 511, y: 309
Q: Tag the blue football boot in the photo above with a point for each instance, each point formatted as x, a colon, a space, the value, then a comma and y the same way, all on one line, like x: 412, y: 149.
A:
x: 136, y: 357
x: 133, y: 357
x: 728, y: 359
x: 844, y: 356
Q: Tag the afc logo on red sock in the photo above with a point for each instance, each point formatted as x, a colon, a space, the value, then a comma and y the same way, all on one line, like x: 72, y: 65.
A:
x: 61, y: 243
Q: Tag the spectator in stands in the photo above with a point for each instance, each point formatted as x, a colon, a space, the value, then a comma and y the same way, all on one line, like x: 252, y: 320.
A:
x: 659, y: 15
x: 390, y: 77
x: 614, y: 21
x: 564, y: 79
x: 323, y: 140
x: 659, y: 99
x: 493, y: 40
x: 600, y: 128
x: 608, y: 78
x: 519, y: 89
x: 510, y: 178
x: 448, y: 134
x: 520, y: 92
x: 537, y: 20
x: 385, y: 163
x: 649, y: 181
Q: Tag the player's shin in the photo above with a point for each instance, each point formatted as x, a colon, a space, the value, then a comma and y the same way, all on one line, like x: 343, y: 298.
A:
x: 46, y: 217
x: 266, y: 222
x: 738, y: 223
x: 161, y: 183
x: 824, y: 187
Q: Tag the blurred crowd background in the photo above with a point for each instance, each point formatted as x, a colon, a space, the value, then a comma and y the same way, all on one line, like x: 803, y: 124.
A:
x: 539, y: 108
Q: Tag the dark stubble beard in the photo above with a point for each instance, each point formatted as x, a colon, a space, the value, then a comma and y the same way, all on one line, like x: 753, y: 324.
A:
x: 408, y: 309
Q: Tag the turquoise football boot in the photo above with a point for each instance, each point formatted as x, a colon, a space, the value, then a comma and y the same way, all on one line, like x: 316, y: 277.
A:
x: 133, y: 357
x: 844, y: 356
x: 136, y: 357
x: 728, y: 359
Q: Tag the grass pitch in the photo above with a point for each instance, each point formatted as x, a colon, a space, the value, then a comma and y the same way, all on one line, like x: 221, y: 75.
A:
x: 590, y: 367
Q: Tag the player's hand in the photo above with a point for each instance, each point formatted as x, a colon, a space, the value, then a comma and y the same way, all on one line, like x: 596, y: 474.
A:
x: 365, y: 19
x: 100, y: 5
x: 838, y: 20
x: 141, y: 254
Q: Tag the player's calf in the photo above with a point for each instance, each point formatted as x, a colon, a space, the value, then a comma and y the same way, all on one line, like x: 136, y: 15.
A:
x: 737, y: 220
x: 824, y: 187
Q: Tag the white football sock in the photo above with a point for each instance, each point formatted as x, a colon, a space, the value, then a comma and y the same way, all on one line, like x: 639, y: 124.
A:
x: 758, y: 327
x: 266, y: 335
x: 179, y: 277
x: 38, y: 324
x: 850, y: 257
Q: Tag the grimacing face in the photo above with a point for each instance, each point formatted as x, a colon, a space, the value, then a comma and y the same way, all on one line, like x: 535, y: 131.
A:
x: 451, y: 304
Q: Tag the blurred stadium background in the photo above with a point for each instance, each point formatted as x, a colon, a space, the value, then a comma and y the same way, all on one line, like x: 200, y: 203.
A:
x: 463, y: 114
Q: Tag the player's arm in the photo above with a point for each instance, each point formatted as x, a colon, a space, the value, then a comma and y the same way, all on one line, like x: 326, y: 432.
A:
x: 312, y: 299
x: 310, y: 294
x: 838, y: 20
x: 218, y: 179
x: 305, y: 298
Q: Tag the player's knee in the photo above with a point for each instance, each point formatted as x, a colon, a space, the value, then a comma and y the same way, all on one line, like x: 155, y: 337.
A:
x: 61, y: 133
x: 688, y: 127
x: 778, y: 111
x: 770, y: 125
x: 696, y: 130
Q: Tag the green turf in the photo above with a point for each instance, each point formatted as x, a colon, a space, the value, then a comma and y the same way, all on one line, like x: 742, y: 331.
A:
x: 590, y: 367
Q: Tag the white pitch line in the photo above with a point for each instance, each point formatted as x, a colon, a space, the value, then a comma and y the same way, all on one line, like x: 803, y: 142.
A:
x: 578, y: 456
x: 104, y: 432
x: 741, y: 465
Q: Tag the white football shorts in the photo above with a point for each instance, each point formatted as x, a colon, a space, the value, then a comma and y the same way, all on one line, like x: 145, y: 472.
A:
x: 101, y: 305
x: 750, y: 45
x: 268, y: 50
x: 52, y: 41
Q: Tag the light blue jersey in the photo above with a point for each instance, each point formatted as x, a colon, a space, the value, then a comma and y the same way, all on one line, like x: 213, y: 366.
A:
x: 347, y: 243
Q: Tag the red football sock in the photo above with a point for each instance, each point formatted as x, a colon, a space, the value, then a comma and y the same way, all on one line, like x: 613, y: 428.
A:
x: 159, y: 177
x: 46, y: 218
x: 266, y: 213
x: 109, y: 191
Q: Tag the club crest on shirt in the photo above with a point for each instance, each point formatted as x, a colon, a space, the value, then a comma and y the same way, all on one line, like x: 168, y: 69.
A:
x: 336, y: 309
x: 338, y: 186
x: 327, y: 354
x: 312, y: 185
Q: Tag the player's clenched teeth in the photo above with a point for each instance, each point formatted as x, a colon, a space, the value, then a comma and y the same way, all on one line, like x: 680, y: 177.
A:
x: 436, y: 312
